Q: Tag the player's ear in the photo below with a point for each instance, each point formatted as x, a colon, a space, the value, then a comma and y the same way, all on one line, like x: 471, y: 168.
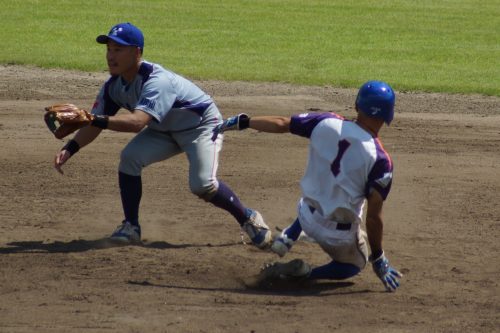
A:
x: 138, y: 52
x: 357, y: 110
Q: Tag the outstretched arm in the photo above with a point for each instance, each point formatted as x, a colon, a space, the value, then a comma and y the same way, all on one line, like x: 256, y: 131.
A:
x: 270, y: 124
x: 129, y: 122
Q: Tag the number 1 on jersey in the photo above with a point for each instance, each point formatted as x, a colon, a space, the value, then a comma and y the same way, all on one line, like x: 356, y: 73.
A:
x: 343, y: 145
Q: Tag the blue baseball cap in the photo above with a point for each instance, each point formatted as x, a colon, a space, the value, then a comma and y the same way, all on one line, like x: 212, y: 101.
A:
x: 124, y: 34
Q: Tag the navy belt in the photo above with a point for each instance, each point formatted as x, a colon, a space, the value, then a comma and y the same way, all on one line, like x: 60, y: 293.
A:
x: 340, y: 226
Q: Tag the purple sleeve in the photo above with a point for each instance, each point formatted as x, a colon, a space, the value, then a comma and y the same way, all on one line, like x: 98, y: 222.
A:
x: 303, y: 124
x: 110, y: 107
x: 380, y: 177
x: 103, y: 104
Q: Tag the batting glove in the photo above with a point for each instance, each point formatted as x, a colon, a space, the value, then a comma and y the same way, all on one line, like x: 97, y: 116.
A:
x: 239, y: 122
x: 387, y: 274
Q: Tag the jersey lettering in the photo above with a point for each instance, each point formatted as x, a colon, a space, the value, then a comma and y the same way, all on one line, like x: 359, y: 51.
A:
x: 343, y: 145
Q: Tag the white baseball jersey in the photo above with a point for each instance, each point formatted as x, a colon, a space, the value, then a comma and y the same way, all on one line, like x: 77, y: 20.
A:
x: 345, y: 164
x: 174, y: 102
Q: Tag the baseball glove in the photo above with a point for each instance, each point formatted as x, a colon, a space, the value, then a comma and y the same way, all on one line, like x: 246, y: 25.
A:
x: 64, y: 119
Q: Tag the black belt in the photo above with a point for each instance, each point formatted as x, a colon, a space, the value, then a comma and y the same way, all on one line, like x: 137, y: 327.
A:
x: 340, y: 226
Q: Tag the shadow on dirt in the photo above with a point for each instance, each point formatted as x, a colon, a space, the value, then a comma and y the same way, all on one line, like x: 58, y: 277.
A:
x: 82, y: 245
x: 303, y: 289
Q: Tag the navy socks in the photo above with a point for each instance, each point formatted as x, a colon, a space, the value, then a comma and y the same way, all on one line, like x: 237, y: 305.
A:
x: 334, y: 271
x: 131, y: 192
x: 294, y: 230
x: 226, y: 199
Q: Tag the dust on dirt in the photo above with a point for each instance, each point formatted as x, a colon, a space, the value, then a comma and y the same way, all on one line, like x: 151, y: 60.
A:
x: 58, y: 272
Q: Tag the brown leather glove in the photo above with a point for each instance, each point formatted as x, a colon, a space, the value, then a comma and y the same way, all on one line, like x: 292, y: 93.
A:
x: 64, y: 119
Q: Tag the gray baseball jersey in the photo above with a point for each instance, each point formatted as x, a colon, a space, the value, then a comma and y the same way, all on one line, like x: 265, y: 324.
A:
x: 183, y: 117
x: 174, y: 102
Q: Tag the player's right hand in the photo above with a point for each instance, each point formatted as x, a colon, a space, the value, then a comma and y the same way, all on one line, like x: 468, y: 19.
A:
x: 239, y: 122
x: 387, y: 274
x: 60, y: 159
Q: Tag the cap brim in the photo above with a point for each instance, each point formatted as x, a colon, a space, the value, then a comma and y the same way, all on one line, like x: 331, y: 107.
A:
x: 103, y: 39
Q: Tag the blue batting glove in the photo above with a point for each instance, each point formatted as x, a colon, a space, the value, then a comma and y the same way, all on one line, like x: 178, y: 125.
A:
x: 387, y: 274
x: 239, y: 122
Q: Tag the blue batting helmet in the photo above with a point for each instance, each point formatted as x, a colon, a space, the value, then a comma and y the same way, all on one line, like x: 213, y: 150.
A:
x: 376, y: 99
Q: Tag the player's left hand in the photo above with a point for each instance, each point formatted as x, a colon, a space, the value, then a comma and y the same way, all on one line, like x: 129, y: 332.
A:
x: 387, y: 274
x: 239, y: 122
x: 64, y: 119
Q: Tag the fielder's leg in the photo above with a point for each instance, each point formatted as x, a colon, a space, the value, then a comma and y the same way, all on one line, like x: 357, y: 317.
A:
x: 250, y: 220
x: 145, y: 148
x: 203, y: 156
x: 131, y: 193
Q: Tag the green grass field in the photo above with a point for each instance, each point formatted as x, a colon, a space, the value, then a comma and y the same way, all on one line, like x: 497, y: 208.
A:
x: 426, y: 45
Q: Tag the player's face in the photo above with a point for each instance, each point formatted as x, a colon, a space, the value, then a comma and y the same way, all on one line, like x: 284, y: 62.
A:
x: 122, y: 60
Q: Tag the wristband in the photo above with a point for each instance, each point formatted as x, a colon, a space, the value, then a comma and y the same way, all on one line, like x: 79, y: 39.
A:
x: 100, y: 121
x: 244, y: 122
x: 72, y: 147
x: 376, y: 255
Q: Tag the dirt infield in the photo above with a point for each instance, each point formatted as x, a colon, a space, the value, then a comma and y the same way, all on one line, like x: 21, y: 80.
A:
x: 58, y: 273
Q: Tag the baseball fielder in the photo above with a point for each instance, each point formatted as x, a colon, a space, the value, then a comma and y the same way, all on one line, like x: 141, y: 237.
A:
x: 171, y: 116
x: 347, y: 167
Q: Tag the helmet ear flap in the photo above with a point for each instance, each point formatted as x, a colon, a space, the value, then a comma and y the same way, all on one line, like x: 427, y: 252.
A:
x: 376, y: 99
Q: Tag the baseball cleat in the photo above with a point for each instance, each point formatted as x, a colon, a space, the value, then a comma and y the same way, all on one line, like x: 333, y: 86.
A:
x: 127, y: 233
x: 257, y: 230
x: 281, y: 245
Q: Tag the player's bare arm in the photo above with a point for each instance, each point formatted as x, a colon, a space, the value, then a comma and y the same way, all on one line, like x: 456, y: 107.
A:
x: 374, y: 228
x: 374, y: 223
x: 270, y: 124
x: 129, y: 122
x: 86, y: 135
